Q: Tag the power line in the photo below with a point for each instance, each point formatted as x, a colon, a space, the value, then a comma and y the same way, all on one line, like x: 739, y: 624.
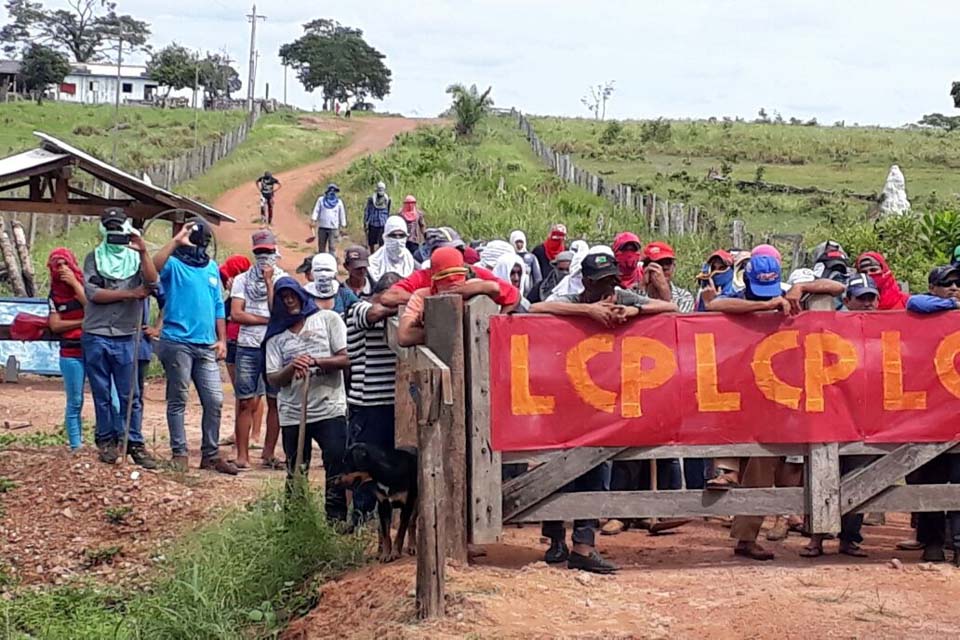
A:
x: 252, y: 17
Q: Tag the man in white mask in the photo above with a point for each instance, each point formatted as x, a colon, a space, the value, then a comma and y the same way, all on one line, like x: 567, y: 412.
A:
x: 325, y: 288
x: 519, y: 241
x: 393, y: 256
x: 250, y: 309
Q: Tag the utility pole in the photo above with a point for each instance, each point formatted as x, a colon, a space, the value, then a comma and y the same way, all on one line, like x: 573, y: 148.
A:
x: 116, y: 106
x: 284, y: 85
x: 251, y: 83
x: 196, y: 100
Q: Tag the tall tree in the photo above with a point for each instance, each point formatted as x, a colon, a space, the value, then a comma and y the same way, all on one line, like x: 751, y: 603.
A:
x: 336, y: 59
x: 217, y: 77
x: 469, y: 106
x: 86, y: 31
x: 42, y: 67
x: 172, y: 67
x: 596, y: 99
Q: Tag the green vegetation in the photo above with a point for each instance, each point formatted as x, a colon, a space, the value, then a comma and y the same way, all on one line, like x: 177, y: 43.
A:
x: 240, y: 577
x: 145, y: 135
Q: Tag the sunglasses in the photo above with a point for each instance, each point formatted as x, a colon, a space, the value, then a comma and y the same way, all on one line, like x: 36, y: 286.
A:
x: 953, y: 282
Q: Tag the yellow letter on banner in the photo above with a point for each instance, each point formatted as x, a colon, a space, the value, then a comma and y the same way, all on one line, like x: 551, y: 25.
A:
x: 523, y: 403
x: 816, y: 374
x: 894, y: 397
x: 772, y: 387
x: 577, y: 359
x: 709, y: 396
x: 633, y: 378
x: 943, y: 360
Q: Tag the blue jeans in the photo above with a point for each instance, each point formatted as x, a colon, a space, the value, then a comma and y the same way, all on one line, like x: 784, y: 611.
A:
x: 183, y: 363
x: 108, y: 363
x: 73, y: 377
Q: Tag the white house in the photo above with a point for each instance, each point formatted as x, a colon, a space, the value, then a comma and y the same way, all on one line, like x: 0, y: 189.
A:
x: 89, y: 83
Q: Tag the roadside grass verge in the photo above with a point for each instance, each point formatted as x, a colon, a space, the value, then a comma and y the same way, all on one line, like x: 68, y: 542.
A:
x: 243, y: 576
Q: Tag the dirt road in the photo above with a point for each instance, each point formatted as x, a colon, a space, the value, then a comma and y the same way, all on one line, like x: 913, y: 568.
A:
x: 367, y: 135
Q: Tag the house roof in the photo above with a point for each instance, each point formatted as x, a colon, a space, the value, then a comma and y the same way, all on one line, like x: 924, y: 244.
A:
x: 108, y: 70
x: 10, y: 67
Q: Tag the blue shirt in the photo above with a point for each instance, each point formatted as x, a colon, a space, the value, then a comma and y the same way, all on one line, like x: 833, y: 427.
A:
x: 923, y: 303
x: 345, y: 299
x: 193, y: 302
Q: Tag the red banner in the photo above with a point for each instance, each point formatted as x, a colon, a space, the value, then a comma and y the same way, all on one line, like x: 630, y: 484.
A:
x: 715, y: 379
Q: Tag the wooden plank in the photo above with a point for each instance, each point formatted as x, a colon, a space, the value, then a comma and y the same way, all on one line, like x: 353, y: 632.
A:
x: 134, y: 210
x: 484, y: 492
x: 867, y: 482
x: 527, y: 490
x: 822, y: 488
x: 431, y: 479
x: 917, y: 497
x: 443, y: 326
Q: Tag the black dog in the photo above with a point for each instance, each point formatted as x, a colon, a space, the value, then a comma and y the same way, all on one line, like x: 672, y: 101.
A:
x: 395, y: 473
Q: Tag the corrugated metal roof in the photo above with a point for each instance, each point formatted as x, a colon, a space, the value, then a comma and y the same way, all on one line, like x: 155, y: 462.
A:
x: 11, y: 67
x: 131, y: 184
x: 28, y: 163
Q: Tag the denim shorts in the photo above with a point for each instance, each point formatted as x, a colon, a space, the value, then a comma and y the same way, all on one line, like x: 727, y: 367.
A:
x: 231, y: 352
x: 249, y: 381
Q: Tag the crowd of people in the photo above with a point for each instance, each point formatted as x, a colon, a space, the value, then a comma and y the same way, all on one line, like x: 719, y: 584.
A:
x: 313, y: 345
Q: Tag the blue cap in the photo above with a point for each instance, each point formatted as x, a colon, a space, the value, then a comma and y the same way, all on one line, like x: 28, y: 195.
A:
x: 861, y: 284
x: 763, y: 274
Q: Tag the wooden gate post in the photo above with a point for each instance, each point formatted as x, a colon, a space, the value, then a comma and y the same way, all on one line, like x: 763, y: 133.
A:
x: 443, y: 324
x: 26, y: 264
x: 430, y: 519
x: 14, y: 276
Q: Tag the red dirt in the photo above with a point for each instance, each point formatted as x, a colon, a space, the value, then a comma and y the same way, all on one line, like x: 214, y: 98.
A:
x: 368, y: 135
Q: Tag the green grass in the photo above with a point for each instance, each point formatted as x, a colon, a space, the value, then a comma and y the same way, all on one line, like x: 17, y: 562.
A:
x: 243, y: 576
x: 145, y: 136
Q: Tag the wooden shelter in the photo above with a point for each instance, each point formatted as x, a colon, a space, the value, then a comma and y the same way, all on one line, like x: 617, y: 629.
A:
x: 48, y: 174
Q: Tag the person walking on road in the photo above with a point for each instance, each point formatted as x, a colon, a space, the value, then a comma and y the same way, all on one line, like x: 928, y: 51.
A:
x: 375, y: 216
x: 330, y: 216
x: 117, y: 276
x: 193, y: 340
x: 268, y: 186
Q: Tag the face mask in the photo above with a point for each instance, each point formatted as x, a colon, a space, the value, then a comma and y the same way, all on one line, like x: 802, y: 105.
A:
x: 265, y: 259
x: 628, y: 260
x: 394, y: 247
x: 324, y: 282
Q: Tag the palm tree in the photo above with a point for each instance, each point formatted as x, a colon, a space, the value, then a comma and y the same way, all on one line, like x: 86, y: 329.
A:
x: 469, y: 106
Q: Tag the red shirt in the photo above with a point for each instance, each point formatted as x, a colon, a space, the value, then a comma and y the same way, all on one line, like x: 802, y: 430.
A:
x: 70, y: 346
x: 420, y: 279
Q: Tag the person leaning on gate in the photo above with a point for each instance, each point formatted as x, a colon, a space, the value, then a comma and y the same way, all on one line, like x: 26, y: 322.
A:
x: 330, y: 217
x: 605, y: 302
x: 193, y: 340
x: 117, y: 276
x: 375, y: 216
x: 944, y: 295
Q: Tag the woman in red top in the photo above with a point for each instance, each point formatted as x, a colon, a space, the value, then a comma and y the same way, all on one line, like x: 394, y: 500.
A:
x: 67, y: 300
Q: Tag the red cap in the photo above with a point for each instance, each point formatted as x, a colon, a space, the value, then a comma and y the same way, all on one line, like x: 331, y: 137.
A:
x: 658, y: 251
x: 723, y: 255
x: 471, y: 255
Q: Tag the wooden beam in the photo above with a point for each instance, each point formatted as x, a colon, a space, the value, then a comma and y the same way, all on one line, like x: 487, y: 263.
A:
x: 17, y: 185
x: 822, y: 481
x: 443, y: 326
x: 75, y: 208
x: 485, y: 493
x: 869, y: 481
x: 430, y: 482
x: 91, y: 197
x: 36, y: 188
x: 61, y: 190
x: 527, y: 490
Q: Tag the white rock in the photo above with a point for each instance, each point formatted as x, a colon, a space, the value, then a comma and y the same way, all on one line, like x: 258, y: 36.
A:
x: 894, y: 201
x: 135, y: 475
x: 895, y: 564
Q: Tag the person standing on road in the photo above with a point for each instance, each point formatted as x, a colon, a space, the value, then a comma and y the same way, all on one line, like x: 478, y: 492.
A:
x: 375, y: 216
x: 306, y: 345
x: 117, y: 276
x: 330, y: 216
x: 192, y: 341
x: 268, y: 186
x: 416, y: 224
x: 393, y: 257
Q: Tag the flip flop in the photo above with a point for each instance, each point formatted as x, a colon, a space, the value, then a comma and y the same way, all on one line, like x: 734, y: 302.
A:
x: 811, y: 552
x: 274, y: 463
x: 722, y: 482
x: 665, y: 525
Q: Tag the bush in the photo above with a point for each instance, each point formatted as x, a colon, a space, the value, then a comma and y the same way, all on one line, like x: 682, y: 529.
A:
x: 612, y: 133
x: 657, y: 131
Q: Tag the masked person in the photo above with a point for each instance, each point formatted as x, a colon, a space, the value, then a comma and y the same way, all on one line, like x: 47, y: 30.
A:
x: 547, y: 251
x: 416, y: 224
x: 330, y: 216
x: 715, y: 278
x: 519, y: 241
x: 393, y: 256
x: 326, y: 289
x: 560, y: 269
x: 250, y: 308
x: 307, y: 346
x: 572, y: 283
x: 659, y: 265
x: 117, y: 276
x: 626, y: 249
x: 375, y: 216
x: 193, y: 340
x: 875, y: 265
x: 511, y: 268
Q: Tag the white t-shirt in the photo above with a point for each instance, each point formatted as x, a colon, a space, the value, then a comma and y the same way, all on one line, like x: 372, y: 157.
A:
x: 251, y: 335
x: 322, y: 336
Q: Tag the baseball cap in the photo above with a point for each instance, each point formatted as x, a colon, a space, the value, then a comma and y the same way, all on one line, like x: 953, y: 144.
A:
x: 659, y: 251
x: 355, y: 257
x: 726, y: 256
x: 766, y: 250
x: 941, y: 274
x: 829, y: 250
x: 563, y: 256
x: 956, y: 255
x: 113, y: 216
x: 264, y: 239
x: 333, y: 187
x: 801, y: 276
x: 763, y: 274
x: 598, y: 266
x: 442, y: 237
x: 861, y: 284
x: 306, y: 266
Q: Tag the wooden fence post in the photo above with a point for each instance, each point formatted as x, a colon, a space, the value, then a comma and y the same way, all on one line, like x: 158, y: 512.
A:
x: 443, y: 324
x: 430, y: 517
x: 484, y: 494
x: 26, y: 265
x: 739, y: 242
x: 14, y: 276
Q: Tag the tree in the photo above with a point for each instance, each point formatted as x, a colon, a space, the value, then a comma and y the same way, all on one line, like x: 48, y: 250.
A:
x: 469, y: 106
x: 217, y: 77
x: 172, y: 67
x: 940, y: 121
x: 86, y: 31
x: 596, y: 99
x: 336, y: 59
x: 42, y: 67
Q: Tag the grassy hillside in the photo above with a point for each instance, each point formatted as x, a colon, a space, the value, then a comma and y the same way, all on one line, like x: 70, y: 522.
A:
x: 144, y: 136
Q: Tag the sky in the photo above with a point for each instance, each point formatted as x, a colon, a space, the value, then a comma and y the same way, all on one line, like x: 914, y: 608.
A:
x: 881, y: 62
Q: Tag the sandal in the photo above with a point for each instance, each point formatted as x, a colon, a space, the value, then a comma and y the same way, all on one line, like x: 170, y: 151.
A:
x: 811, y: 552
x: 853, y: 550
x: 723, y: 480
x: 754, y: 552
x: 274, y: 463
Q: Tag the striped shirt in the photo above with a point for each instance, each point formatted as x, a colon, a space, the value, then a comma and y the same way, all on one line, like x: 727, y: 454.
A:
x: 682, y: 298
x: 373, y: 366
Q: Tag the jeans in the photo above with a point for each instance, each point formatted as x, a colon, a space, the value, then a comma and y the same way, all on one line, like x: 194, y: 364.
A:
x: 695, y: 472
x: 248, y: 376
x: 108, y: 363
x: 327, y: 240
x: 183, y: 363
x: 633, y: 475
x: 73, y: 377
x: 370, y: 425
x: 931, y: 525
x: 331, y: 436
x: 584, y: 531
